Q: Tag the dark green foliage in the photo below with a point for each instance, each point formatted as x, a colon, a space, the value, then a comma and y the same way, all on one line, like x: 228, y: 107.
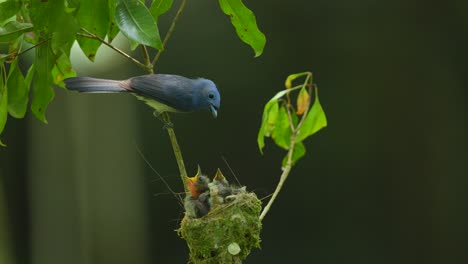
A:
x: 53, y: 26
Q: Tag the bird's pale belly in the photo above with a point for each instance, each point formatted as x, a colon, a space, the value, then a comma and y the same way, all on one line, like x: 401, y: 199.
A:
x: 160, y: 107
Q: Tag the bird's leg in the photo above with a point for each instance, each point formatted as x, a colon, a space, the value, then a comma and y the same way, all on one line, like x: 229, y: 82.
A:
x: 159, y: 116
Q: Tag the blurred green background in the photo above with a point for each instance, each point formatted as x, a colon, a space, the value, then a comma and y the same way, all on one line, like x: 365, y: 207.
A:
x: 385, y: 182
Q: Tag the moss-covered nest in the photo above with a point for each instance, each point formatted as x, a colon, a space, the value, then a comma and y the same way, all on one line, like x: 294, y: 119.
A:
x: 227, y: 233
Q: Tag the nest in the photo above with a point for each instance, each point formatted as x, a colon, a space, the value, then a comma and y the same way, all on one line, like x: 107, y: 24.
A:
x: 227, y: 233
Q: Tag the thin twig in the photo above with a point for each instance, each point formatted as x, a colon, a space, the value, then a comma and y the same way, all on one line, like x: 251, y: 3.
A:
x: 177, y: 152
x: 170, y: 130
x: 181, y: 202
x: 283, y: 177
x: 169, y: 32
x: 13, y: 55
x: 149, y: 66
x: 90, y: 35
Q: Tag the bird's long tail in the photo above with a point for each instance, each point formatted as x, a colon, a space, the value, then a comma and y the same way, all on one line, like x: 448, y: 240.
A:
x: 94, y: 85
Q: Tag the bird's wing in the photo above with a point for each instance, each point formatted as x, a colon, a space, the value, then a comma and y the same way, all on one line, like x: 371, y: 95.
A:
x: 172, y: 90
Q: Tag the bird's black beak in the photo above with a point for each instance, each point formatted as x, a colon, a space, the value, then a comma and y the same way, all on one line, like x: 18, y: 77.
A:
x: 214, y: 110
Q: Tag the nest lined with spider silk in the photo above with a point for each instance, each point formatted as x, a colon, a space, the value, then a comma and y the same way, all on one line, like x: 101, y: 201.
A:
x: 227, y: 233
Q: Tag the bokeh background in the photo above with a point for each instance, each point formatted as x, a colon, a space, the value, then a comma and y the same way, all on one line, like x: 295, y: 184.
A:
x: 385, y: 182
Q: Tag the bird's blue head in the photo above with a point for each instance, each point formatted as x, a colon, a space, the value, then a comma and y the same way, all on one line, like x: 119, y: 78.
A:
x: 207, y: 96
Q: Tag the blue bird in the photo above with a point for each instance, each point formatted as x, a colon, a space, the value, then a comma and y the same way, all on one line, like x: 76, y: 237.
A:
x: 163, y: 92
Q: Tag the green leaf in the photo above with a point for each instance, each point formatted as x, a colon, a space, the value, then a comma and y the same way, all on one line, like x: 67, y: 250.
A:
x: 94, y: 17
x: 18, y: 92
x: 30, y: 75
x: 113, y: 28
x: 159, y: 7
x: 12, y: 30
x: 246, y: 26
x: 37, y: 11
x: 8, y: 9
x: 3, y: 101
x: 136, y: 23
x: 62, y: 70
x: 298, y: 152
x: 292, y: 77
x: 43, y: 92
x: 315, y: 120
x: 63, y: 30
x: 270, y: 113
x: 282, y: 132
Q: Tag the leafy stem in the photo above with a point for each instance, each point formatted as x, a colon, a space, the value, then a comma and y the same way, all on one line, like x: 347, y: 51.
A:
x: 169, y: 32
x: 295, y: 130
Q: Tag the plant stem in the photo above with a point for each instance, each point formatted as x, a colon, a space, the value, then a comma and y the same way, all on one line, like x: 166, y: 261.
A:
x: 96, y: 37
x: 170, y: 130
x: 283, y: 177
x: 16, y: 54
x: 149, y: 66
x: 171, y: 29
x: 177, y: 152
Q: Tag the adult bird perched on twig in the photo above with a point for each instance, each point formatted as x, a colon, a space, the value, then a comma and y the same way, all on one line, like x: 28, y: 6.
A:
x: 163, y: 92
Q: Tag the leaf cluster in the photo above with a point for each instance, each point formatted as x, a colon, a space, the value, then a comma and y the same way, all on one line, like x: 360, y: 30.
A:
x: 51, y: 27
x: 289, y: 124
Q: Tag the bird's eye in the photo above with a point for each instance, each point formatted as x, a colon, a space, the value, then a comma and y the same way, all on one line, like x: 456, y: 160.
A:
x: 211, y: 96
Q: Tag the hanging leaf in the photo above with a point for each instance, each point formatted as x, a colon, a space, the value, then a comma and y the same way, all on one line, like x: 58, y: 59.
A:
x: 62, y: 70
x: 243, y: 19
x: 159, y: 7
x: 8, y: 9
x: 282, y: 132
x: 63, y: 33
x: 18, y: 92
x: 94, y: 17
x: 270, y: 115
x: 137, y: 24
x: 113, y: 28
x: 3, y: 100
x: 42, y: 91
x: 315, y: 120
x: 12, y: 30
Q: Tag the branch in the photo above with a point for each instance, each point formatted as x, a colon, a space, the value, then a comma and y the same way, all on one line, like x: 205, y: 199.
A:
x: 90, y: 35
x: 171, y: 29
x: 177, y: 152
x: 149, y: 66
x: 13, y: 55
x: 283, y: 176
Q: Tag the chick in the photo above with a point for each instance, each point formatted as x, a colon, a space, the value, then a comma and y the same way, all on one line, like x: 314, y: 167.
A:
x: 196, y: 201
